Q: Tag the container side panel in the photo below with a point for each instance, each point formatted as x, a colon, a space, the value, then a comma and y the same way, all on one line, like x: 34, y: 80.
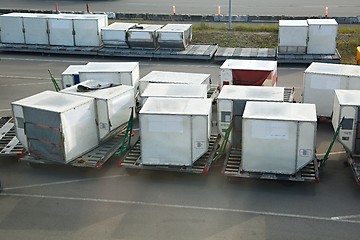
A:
x: 61, y: 32
x: 113, y: 77
x: 11, y: 29
x: 102, y: 115
x: 269, y: 146
x: 322, y: 39
x: 224, y: 115
x: 120, y: 109
x: 200, y: 141
x: 347, y: 132
x: 36, y: 31
x: 43, y: 131
x: 306, y: 144
x: 19, y: 125
x: 319, y: 90
x: 67, y: 81
x: 226, y: 77
x: 293, y: 36
x: 335, y: 119
x: 87, y: 32
x: 79, y: 130
x: 165, y: 140
x: 354, y: 83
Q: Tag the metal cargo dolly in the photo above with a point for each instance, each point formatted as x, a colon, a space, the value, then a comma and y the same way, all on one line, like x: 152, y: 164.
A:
x: 232, y: 168
x: 354, y: 163
x: 92, y: 159
x: 10, y: 146
x: 132, y: 160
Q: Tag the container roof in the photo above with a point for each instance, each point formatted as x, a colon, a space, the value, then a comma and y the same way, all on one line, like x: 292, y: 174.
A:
x: 109, y: 66
x: 334, y: 69
x: 280, y: 111
x: 348, y: 97
x: 175, y: 90
x: 53, y: 101
x: 175, y: 27
x: 146, y: 28
x: 120, y: 26
x: 258, y: 93
x: 106, y: 93
x: 322, y: 22
x: 175, y: 77
x: 73, y: 69
x: 293, y: 23
x: 177, y: 106
x: 249, y: 65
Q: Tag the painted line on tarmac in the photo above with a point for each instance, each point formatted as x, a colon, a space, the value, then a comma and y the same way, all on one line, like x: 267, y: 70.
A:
x: 23, y: 77
x: 64, y: 182
x: 346, y: 217
x: 188, y: 207
x: 4, y: 110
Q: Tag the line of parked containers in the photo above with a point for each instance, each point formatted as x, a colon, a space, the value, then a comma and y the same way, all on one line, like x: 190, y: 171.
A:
x: 311, y: 36
x: 264, y: 123
x: 89, y: 30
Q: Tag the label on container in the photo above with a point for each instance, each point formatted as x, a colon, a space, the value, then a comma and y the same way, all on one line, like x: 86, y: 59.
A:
x: 305, y: 152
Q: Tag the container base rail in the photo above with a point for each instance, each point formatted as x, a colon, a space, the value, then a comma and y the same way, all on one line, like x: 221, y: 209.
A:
x: 132, y: 160
x: 354, y: 163
x: 92, y: 159
x: 9, y: 144
x: 232, y: 168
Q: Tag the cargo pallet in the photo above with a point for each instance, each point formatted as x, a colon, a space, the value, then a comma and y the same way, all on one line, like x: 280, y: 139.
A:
x: 232, y: 168
x: 354, y: 163
x: 132, y: 160
x: 92, y: 159
x: 10, y: 146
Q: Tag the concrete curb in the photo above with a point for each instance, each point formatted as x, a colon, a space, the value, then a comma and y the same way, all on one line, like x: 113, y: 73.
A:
x: 198, y: 18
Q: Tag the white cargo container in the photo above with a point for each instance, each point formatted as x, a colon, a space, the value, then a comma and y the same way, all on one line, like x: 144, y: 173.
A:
x: 175, y: 36
x: 36, y: 28
x: 174, y: 90
x: 347, y: 109
x: 293, y: 35
x: 320, y: 81
x: 113, y: 105
x: 56, y: 127
x: 322, y: 36
x: 116, y: 34
x: 143, y: 36
x: 174, y: 77
x: 12, y: 28
x: 164, y: 122
x: 87, y: 29
x: 61, y: 29
x: 231, y: 104
x: 248, y: 72
x: 278, y: 137
x: 70, y: 76
x: 125, y: 73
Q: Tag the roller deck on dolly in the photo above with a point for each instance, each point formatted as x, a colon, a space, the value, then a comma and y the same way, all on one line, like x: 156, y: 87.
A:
x: 132, y: 160
x: 9, y: 144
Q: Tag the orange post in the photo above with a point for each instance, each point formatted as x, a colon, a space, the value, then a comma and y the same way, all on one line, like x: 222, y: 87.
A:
x: 219, y: 11
x: 358, y: 55
x: 326, y: 12
x: 174, y: 10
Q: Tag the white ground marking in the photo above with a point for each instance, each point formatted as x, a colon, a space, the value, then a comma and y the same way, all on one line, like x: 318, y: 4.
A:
x: 4, y: 110
x: 64, y: 182
x: 332, y: 153
x: 162, y: 205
